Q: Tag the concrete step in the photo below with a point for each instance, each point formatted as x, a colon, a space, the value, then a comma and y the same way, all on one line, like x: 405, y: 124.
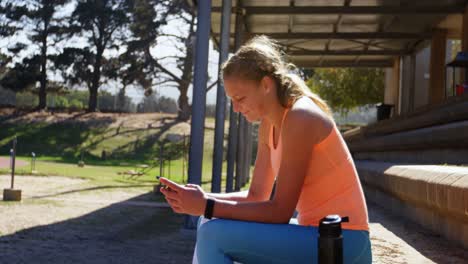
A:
x: 436, y: 197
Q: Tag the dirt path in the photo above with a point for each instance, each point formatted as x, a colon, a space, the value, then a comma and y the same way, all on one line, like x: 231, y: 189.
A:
x: 63, y: 220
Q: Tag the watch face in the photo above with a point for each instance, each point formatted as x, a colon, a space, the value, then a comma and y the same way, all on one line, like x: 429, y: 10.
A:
x: 209, y: 208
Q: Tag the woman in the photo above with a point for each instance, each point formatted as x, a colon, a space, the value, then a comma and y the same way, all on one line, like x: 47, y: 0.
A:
x: 301, y: 147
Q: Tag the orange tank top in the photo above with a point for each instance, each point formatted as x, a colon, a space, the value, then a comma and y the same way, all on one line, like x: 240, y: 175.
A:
x: 331, y: 185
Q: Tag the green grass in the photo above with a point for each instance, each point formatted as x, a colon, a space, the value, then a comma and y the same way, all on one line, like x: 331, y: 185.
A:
x: 58, y: 147
x: 66, y: 141
x: 110, y: 174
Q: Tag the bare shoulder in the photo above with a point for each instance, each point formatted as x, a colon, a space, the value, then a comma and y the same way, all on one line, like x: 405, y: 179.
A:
x: 307, y: 118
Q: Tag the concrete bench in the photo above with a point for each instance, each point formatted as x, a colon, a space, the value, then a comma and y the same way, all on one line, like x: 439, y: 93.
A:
x: 434, y: 196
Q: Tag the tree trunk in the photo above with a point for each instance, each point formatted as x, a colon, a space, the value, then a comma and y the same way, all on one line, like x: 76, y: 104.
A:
x: 185, y: 110
x: 121, y: 100
x: 93, y: 89
x: 43, y: 76
x: 42, y: 88
x: 92, y: 101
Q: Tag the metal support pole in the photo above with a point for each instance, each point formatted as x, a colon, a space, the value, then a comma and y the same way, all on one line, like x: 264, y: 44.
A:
x: 240, y: 154
x: 245, y: 165
x: 221, y: 101
x: 249, y: 151
x: 233, y: 117
x: 33, y: 162
x: 161, y: 159
x: 199, y: 98
x: 183, y: 159
x: 169, y: 168
x: 412, y: 82
x: 232, y: 149
x: 13, y: 160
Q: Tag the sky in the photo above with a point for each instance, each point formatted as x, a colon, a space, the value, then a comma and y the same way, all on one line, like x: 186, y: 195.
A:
x: 165, y: 46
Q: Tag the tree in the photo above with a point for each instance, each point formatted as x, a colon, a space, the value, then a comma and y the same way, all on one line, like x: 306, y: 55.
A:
x: 37, y: 19
x: 102, y: 23
x: 121, y: 71
x: 22, y: 76
x: 9, y: 13
x: 4, y: 60
x: 8, y: 76
x: 106, y: 101
x: 155, y: 103
x: 76, y: 66
x: 148, y: 105
x: 347, y: 88
x: 167, y: 105
x: 146, y: 29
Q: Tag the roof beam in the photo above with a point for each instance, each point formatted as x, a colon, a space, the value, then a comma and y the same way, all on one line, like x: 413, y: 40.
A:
x: 291, y: 18
x: 346, y: 3
x: 373, y: 44
x: 369, y: 10
x: 383, y: 26
x: 345, y: 64
x: 386, y: 52
x: 348, y: 35
x: 345, y: 35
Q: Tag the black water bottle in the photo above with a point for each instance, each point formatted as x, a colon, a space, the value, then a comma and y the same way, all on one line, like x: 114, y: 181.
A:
x: 330, y: 240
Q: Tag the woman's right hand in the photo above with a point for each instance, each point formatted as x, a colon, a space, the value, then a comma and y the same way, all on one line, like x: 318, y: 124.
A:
x: 184, y: 199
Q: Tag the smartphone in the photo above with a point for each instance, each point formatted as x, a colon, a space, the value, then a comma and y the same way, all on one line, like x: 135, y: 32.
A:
x: 164, y: 186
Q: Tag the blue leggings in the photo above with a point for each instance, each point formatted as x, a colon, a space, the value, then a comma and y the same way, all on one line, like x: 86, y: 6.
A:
x: 224, y: 241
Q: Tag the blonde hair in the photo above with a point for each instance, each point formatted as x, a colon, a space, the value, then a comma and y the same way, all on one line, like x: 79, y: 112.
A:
x: 261, y: 57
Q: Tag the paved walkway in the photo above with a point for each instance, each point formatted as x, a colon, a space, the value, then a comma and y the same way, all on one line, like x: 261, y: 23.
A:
x: 5, y: 162
x: 397, y: 241
x: 61, y: 221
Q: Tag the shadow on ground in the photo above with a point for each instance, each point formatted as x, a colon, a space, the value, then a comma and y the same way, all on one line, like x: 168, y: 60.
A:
x: 101, y: 187
x: 119, y: 233
x: 432, y: 246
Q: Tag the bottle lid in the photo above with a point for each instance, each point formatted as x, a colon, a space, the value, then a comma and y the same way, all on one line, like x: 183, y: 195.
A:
x: 331, y: 225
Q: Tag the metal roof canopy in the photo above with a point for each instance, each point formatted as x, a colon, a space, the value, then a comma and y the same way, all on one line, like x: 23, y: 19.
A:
x: 341, y: 33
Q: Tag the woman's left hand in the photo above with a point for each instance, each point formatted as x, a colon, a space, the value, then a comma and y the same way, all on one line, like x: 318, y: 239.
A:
x: 189, y: 199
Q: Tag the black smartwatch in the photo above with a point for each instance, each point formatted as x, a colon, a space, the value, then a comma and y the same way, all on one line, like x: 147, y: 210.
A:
x: 209, y: 208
